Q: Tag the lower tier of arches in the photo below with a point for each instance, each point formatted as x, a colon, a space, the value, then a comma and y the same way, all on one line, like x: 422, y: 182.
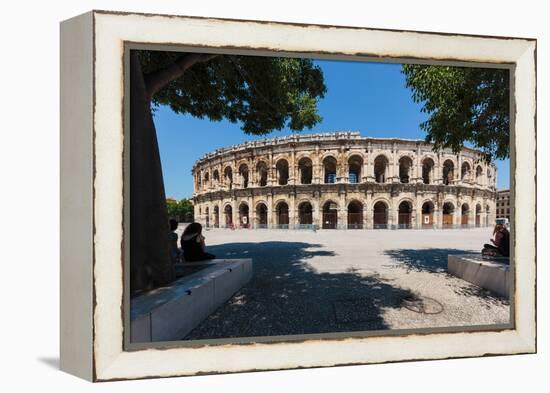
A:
x: 350, y: 212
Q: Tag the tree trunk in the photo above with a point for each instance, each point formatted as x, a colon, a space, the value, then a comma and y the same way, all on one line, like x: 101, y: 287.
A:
x: 150, y: 262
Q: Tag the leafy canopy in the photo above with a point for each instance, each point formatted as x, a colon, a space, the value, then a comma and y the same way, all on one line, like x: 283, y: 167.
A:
x: 264, y: 93
x: 180, y: 210
x: 465, y: 105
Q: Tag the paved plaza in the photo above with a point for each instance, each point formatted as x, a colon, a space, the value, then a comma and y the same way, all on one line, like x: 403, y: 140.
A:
x: 309, y: 282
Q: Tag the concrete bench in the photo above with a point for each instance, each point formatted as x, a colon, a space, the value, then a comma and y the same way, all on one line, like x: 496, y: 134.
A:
x: 170, y: 313
x: 491, y: 273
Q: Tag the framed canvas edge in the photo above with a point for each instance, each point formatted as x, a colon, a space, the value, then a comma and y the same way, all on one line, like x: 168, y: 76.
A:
x: 109, y: 359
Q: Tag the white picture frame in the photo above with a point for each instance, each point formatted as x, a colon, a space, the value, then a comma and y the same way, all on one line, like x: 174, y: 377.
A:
x: 93, y: 193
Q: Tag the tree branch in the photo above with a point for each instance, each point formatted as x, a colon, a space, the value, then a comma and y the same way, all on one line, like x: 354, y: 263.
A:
x: 155, y: 81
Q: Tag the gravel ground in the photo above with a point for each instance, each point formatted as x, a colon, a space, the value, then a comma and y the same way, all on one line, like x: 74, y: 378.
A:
x: 309, y: 282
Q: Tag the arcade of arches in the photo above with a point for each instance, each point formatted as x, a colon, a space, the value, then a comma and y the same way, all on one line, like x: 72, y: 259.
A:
x: 343, y: 181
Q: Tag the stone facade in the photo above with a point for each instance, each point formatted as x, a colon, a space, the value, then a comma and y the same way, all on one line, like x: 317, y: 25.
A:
x: 342, y: 180
x: 503, y: 204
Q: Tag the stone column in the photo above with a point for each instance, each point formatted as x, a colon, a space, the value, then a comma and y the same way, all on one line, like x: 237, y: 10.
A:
x: 292, y: 211
x: 269, y: 210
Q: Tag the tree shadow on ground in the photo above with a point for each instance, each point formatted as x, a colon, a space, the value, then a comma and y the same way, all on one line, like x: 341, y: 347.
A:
x: 286, y: 296
x: 432, y: 260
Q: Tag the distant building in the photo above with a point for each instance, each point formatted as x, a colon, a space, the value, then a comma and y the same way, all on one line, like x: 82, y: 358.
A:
x: 343, y: 181
x: 503, y: 204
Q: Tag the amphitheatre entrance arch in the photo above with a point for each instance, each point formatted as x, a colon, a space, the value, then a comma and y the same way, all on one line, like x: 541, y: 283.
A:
x: 244, y: 218
x: 355, y: 215
x: 330, y: 215
x: 465, y: 212
x: 448, y: 211
x: 305, y: 213
x: 478, y: 215
x: 427, y: 214
x: 380, y: 215
x: 282, y: 215
x: 228, y: 213
x: 404, y: 215
x: 216, y: 217
x: 261, y: 215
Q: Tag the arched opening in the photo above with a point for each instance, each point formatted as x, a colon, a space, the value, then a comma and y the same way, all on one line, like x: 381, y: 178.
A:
x: 448, y: 212
x: 329, y: 165
x: 355, y: 215
x: 305, y: 167
x: 216, y: 217
x: 243, y: 171
x: 464, y: 214
x: 228, y: 177
x: 282, y: 172
x: 228, y: 213
x: 244, y: 218
x: 404, y: 215
x: 330, y: 215
x: 427, y: 214
x: 206, y: 179
x: 380, y: 169
x: 305, y: 213
x: 261, y: 170
x: 465, y: 172
x: 216, y: 176
x: 448, y: 172
x: 479, y: 174
x: 478, y: 215
x: 427, y: 170
x: 405, y: 169
x: 207, y: 217
x: 199, y: 182
x: 261, y: 215
x: 380, y: 215
x: 355, y: 163
x: 282, y: 215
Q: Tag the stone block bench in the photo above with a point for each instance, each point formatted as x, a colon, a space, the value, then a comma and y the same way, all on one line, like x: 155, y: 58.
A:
x: 491, y: 273
x: 170, y: 313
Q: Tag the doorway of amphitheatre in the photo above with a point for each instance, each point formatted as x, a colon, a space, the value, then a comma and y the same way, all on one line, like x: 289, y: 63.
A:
x: 261, y: 215
x: 216, y: 217
x: 405, y: 169
x: 228, y: 213
x: 282, y: 172
x: 427, y: 215
x: 465, y: 211
x: 244, y: 218
x: 330, y: 215
x: 305, y: 213
x: 448, y: 210
x: 428, y: 170
x: 355, y: 215
x: 478, y: 216
x: 404, y: 215
x: 380, y: 215
x: 207, y: 212
x: 282, y: 215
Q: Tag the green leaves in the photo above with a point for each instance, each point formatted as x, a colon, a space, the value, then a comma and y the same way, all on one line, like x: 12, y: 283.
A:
x: 465, y: 105
x: 263, y: 93
x: 180, y: 210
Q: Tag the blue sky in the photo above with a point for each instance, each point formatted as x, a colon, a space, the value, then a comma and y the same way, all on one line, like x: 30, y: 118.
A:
x: 367, y: 97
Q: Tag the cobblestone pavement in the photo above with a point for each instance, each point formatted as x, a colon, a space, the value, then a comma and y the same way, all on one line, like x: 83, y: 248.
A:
x: 309, y: 282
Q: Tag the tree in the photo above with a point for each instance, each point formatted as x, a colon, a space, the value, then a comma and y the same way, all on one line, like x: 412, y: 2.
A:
x: 262, y: 93
x: 180, y: 210
x: 464, y: 105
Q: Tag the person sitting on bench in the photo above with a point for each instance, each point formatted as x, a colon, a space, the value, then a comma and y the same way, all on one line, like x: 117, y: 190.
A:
x: 501, y: 243
x: 193, y: 245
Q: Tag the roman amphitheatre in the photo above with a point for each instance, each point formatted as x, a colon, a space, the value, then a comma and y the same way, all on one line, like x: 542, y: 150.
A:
x: 342, y: 180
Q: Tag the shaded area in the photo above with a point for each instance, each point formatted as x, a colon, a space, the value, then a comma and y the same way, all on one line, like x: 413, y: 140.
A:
x: 287, y: 296
x: 432, y: 260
